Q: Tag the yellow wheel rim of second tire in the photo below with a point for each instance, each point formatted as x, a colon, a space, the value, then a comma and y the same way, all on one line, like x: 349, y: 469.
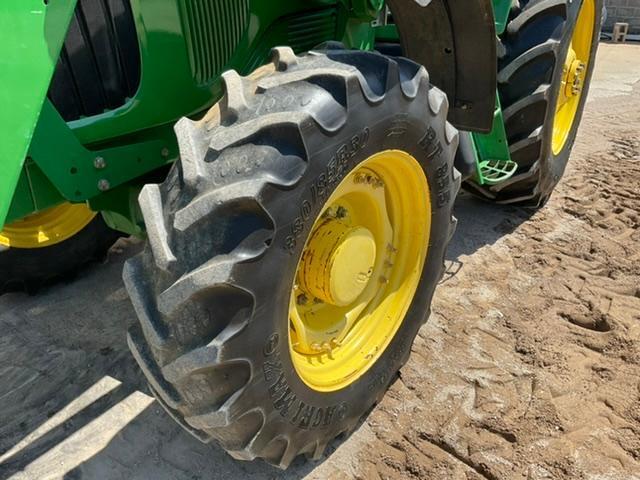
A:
x: 48, y: 227
x: 359, y: 270
x: 574, y: 74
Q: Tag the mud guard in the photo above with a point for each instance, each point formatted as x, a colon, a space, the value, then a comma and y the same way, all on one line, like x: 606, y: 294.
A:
x: 456, y: 41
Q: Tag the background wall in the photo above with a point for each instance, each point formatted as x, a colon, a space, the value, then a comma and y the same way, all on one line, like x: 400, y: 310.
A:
x: 627, y: 11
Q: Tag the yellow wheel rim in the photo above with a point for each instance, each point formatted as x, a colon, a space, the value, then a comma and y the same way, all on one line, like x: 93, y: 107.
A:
x: 48, y: 227
x: 359, y: 270
x: 574, y: 74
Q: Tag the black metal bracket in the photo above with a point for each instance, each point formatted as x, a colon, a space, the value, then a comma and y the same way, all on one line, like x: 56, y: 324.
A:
x: 456, y: 41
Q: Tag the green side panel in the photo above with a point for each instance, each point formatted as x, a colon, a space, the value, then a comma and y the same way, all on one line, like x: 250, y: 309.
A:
x: 184, y: 48
x: 501, y: 10
x: 32, y: 35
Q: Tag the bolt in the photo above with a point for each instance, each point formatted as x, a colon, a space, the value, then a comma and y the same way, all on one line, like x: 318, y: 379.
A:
x: 326, y: 347
x: 316, y: 347
x: 302, y: 299
x: 103, y: 185
x: 335, y: 343
x: 99, y: 163
x: 164, y: 152
x: 341, y: 212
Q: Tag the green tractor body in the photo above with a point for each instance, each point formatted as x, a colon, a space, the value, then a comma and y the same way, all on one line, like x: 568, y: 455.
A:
x: 127, y: 72
x: 293, y: 165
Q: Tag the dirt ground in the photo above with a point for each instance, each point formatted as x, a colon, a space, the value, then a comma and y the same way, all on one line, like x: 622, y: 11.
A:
x: 528, y: 369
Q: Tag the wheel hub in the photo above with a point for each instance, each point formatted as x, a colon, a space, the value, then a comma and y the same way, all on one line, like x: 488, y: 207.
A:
x: 574, y: 79
x: 338, y: 263
x: 359, y: 270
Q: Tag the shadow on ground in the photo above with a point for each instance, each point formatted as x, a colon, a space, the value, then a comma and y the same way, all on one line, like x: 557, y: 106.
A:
x: 70, y: 401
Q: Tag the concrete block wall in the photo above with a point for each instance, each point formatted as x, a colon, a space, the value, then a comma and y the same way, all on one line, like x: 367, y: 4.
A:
x: 627, y: 11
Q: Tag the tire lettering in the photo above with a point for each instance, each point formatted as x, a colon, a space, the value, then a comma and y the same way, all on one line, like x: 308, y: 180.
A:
x: 286, y: 402
x: 335, y: 171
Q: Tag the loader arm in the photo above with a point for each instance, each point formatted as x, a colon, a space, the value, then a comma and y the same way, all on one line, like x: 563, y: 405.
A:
x: 33, y: 32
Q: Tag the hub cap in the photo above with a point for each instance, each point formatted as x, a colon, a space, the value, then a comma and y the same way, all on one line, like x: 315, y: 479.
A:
x: 359, y: 270
x: 574, y: 72
x: 48, y: 227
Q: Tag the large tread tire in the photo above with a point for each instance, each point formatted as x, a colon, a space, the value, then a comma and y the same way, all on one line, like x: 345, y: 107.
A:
x: 532, y: 52
x: 228, y: 225
x: 29, y: 269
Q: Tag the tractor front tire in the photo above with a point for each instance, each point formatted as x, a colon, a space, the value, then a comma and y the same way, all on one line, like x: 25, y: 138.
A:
x: 216, y: 285
x: 540, y: 55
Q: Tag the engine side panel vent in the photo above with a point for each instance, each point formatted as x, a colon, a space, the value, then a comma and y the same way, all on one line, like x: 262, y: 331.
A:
x: 306, y: 31
x: 99, y: 66
x: 211, y: 47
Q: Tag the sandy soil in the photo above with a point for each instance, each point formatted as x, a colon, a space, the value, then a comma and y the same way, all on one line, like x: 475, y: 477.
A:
x: 528, y: 369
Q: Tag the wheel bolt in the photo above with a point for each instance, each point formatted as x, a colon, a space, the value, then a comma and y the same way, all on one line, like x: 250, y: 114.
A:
x: 302, y: 299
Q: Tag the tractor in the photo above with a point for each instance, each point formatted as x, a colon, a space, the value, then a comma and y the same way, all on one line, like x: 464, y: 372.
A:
x: 292, y: 166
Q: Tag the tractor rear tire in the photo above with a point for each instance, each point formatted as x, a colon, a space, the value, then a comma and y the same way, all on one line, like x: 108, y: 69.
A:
x: 212, y: 290
x: 532, y: 54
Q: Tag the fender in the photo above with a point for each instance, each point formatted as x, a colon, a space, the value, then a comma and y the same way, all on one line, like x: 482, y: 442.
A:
x: 456, y: 41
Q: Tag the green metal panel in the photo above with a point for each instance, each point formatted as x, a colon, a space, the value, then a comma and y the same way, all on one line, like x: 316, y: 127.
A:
x: 173, y: 84
x: 493, y: 158
x: 79, y: 173
x: 34, y: 192
x: 32, y: 36
x: 501, y: 10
